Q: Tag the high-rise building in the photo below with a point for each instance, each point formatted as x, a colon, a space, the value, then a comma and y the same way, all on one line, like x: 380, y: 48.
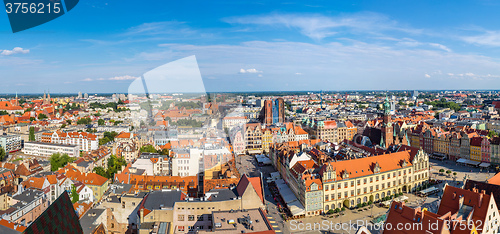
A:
x: 79, y: 95
x: 387, y: 131
x: 273, y: 111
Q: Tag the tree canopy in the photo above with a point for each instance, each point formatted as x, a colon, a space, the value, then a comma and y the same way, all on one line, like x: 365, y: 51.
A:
x: 2, y: 153
x: 108, y: 137
x: 114, y: 165
x: 57, y: 161
x: 74, y: 195
x: 148, y: 149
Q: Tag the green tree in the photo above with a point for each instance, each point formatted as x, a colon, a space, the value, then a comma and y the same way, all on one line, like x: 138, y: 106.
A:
x: 84, y: 121
x: 100, y: 171
x: 57, y: 161
x: 114, y: 165
x: 2, y: 154
x: 148, y: 149
x: 164, y: 152
x: 63, y: 125
x: 100, y: 122
x: 74, y: 195
x: 32, y: 134
x: 42, y: 116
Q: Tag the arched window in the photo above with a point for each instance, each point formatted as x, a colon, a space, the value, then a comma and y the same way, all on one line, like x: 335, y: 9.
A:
x: 377, y: 196
x: 389, y: 193
x: 365, y: 199
x: 333, y: 206
x: 383, y: 194
x: 359, y: 200
x: 327, y: 207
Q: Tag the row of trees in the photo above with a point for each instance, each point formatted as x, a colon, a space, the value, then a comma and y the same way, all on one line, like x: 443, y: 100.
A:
x: 108, y: 137
x: 114, y: 165
x: 87, y: 120
x: 57, y: 161
x: 113, y: 105
x: 151, y: 149
x: 444, y: 104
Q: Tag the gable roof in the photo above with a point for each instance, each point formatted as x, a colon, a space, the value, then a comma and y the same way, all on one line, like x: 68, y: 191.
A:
x: 59, y: 217
x: 245, y: 181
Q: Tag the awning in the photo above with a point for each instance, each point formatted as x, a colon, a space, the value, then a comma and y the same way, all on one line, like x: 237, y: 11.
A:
x: 276, y: 175
x: 403, y: 198
x: 484, y: 164
x: 285, y: 191
x: 293, y: 204
x: 428, y: 190
x: 461, y: 160
x: 296, y: 208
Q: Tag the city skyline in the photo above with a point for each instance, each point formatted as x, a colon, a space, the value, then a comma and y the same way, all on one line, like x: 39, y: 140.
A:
x: 260, y: 46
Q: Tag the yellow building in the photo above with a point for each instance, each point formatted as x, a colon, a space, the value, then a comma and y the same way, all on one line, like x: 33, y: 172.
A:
x: 475, y: 149
x: 352, y: 182
x: 267, y: 140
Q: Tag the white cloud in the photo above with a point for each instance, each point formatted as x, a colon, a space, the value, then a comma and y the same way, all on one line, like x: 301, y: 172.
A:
x: 250, y: 70
x: 298, y: 73
x: 489, y: 38
x: 318, y: 27
x: 260, y: 75
x: 439, y: 46
x: 363, y: 65
x: 427, y: 76
x: 16, y: 50
x: 127, y: 77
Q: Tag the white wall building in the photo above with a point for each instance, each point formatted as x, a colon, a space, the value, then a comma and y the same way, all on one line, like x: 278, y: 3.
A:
x: 47, y: 149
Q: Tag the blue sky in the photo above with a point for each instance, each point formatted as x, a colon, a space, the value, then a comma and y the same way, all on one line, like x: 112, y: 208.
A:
x: 101, y: 46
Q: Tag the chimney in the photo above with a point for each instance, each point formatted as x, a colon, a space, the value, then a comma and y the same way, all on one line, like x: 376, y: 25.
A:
x: 454, y: 195
x: 480, y: 199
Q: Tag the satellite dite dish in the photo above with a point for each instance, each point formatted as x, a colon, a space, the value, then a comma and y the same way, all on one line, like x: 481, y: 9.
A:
x: 26, y: 14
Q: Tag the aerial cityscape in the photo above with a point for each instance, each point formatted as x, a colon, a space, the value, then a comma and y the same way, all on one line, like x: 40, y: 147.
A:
x: 359, y: 117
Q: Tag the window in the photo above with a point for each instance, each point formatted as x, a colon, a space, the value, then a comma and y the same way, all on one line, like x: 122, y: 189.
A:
x: 364, y: 181
x: 352, y: 193
x: 327, y: 197
x: 180, y: 228
x: 190, y: 217
x: 338, y: 185
x: 376, y: 178
x: 352, y: 183
x: 180, y: 218
x: 359, y: 182
x: 326, y: 187
x: 199, y: 217
x: 371, y: 179
x: 364, y: 190
x: 383, y: 177
x: 345, y: 184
